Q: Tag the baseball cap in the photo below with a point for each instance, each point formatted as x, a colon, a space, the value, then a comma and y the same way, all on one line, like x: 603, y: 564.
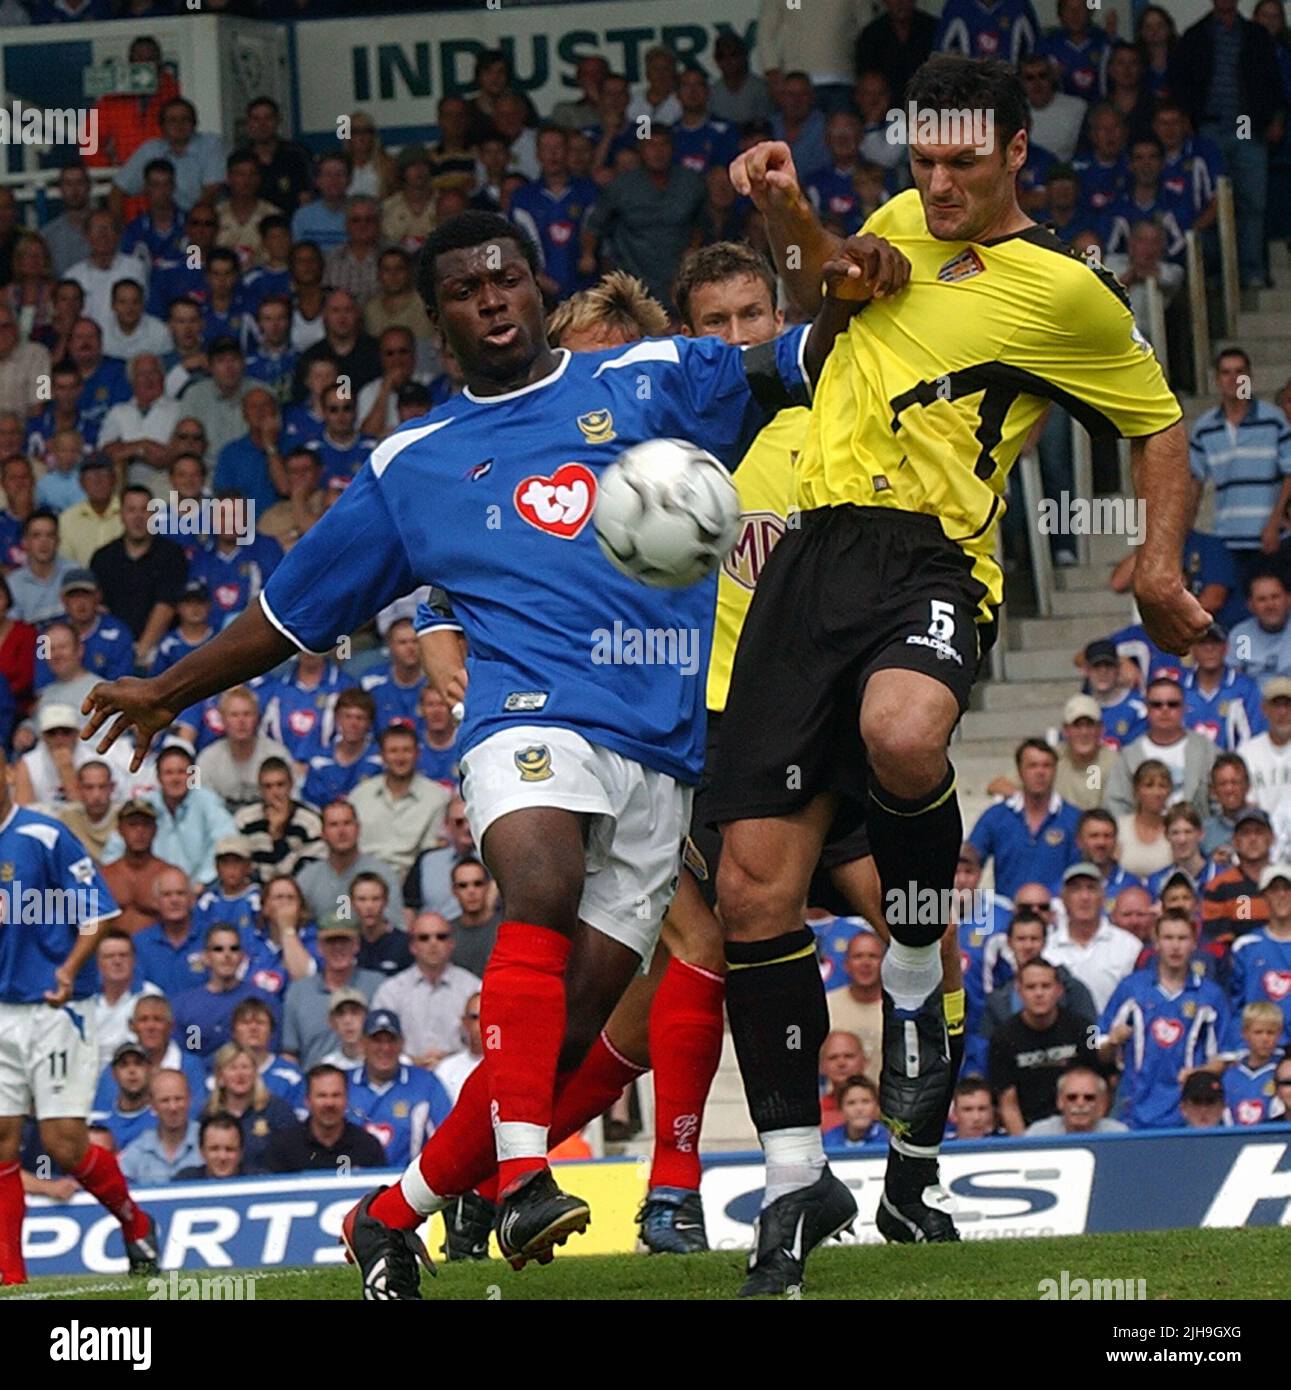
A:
x: 412, y: 154
x: 221, y: 346
x: 382, y: 1021
x: 1203, y: 1088
x: 58, y: 717
x: 1252, y: 813
x: 137, y: 806
x: 1273, y: 873
x: 1216, y: 632
x: 95, y: 461
x: 1081, y: 707
x: 1101, y: 651
x: 195, y: 588
x: 332, y: 925
x: 1179, y: 876
x: 129, y: 1048
x: 1080, y: 871
x: 1276, y: 688
x: 233, y: 844
x: 346, y: 995
x: 77, y: 579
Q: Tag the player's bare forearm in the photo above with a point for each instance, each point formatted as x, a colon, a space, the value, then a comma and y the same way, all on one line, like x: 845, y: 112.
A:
x: 832, y: 319
x: 248, y: 647
x: 88, y: 937
x: 1011, y: 1112
x: 861, y: 268
x: 1173, y: 617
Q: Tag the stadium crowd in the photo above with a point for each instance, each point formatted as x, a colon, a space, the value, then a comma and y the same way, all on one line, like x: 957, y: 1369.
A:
x: 192, y: 370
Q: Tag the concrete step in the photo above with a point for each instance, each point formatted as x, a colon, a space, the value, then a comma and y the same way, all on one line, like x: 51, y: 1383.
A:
x: 1074, y: 603
x: 1004, y: 697
x: 1109, y: 549
x: 993, y: 755
x: 1026, y: 634
x: 1085, y: 579
x: 975, y: 769
x: 1040, y: 664
x: 980, y: 726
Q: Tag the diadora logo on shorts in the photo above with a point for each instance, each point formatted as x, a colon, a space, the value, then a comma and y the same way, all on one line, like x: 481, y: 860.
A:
x: 597, y: 426
x: 534, y: 763
x: 560, y: 504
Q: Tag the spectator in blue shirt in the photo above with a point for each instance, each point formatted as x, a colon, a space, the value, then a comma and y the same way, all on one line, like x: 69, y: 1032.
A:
x: 204, y: 1014
x: 1079, y: 48
x: 323, y: 220
x: 253, y: 1025
x: 1261, y: 959
x: 170, y: 951
x: 246, y: 464
x: 699, y: 140
x: 396, y: 685
x: 553, y: 209
x: 336, y: 770
x: 129, y: 1113
x: 1260, y: 646
x: 1146, y: 200
x: 799, y: 123
x: 1166, y: 1022
x: 398, y: 1104
x: 1031, y: 835
x: 1250, y: 1087
x: 1125, y: 716
x: 1243, y: 449
x: 1006, y: 29
x: 341, y: 448
x: 1219, y: 701
x: 1104, y: 172
x: 832, y: 188
x: 236, y: 563
x: 861, y: 1130
x: 158, y: 1154
x: 273, y: 359
x: 1097, y: 844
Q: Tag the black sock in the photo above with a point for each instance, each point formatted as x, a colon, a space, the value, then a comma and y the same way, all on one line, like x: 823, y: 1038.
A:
x: 909, y: 1174
x: 775, y: 1000
x: 916, y: 847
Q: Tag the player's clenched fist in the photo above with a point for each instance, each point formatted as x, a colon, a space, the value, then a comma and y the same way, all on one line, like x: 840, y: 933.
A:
x: 766, y: 174
x: 866, y: 267
x: 1172, y: 616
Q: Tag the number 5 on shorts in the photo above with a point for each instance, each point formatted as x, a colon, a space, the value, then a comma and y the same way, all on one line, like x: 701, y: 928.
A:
x: 942, y: 626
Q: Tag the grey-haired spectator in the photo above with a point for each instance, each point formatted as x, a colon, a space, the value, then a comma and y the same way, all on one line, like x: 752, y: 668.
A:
x: 22, y: 364
x: 141, y: 575
x: 104, y: 266
x: 1096, y: 953
x: 325, y: 880
x: 1268, y: 760
x: 136, y: 434
x: 377, y: 408
x: 117, y: 995
x: 326, y: 1141
x: 322, y: 220
x: 1188, y: 756
x: 306, y: 1033
x: 430, y: 995
x: 352, y: 266
x: 1083, y: 1098
x: 160, y: 1154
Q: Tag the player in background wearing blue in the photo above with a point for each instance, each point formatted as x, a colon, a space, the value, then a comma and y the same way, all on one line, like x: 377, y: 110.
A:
x: 48, y: 1051
x: 1250, y: 1084
x: 577, y: 774
x: 1167, y: 1022
x: 1260, y: 963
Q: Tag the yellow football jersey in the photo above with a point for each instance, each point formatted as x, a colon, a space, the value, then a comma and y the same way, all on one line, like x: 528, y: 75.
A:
x: 765, y: 482
x: 926, y: 399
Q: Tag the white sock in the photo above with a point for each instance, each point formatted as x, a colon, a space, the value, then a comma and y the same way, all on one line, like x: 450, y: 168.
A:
x: 795, y: 1158
x: 911, y: 973
x: 418, y: 1193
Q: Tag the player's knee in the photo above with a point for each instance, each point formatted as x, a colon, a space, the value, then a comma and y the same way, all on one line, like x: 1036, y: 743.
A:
x: 754, y: 898
x: 546, y: 896
x: 65, y: 1146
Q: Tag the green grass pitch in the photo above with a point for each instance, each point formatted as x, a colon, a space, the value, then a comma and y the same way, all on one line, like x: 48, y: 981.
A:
x: 1227, y: 1264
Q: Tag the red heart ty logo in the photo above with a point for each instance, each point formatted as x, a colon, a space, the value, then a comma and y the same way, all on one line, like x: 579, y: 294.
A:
x: 1167, y: 1031
x: 560, y: 504
x: 1277, y: 984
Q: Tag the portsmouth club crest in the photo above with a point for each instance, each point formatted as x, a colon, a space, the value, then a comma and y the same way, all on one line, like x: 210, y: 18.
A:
x: 534, y: 763
x: 962, y: 267
x: 597, y: 426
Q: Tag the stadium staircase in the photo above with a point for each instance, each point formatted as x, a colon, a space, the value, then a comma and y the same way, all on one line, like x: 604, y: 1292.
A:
x: 1038, y: 671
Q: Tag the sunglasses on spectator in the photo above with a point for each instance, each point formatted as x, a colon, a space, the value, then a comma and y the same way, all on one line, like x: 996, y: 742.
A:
x: 1080, y: 1095
x: 1037, y: 907
x: 434, y: 936
x: 1165, y: 704
x: 222, y: 949
x: 202, y: 222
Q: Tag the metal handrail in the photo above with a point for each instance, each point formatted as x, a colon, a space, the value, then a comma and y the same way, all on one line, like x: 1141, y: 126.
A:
x: 1082, y: 479
x: 1041, y: 559
x: 1229, y: 279
x: 1156, y: 324
x: 1198, y: 314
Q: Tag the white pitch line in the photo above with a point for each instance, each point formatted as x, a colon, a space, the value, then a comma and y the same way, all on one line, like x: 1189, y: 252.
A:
x: 125, y: 1282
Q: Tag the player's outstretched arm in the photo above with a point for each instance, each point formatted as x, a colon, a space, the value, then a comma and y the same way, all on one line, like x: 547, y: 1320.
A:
x: 1173, y: 617
x: 248, y: 647
x: 800, y: 244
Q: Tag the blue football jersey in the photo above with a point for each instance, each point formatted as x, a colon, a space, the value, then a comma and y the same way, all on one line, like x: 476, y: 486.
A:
x: 1229, y: 715
x: 301, y: 718
x: 49, y: 889
x: 239, y: 911
x: 1101, y: 184
x: 1260, y: 969
x: 1083, y: 65
x: 107, y: 652
x: 1170, y: 1032
x: 143, y: 238
x: 401, y: 1114
x: 204, y: 1020
x: 341, y: 462
x: 1124, y: 721
x: 714, y: 142
x: 1007, y: 29
x: 173, y: 647
x: 1249, y: 1092
x: 395, y: 703
x: 555, y: 223
x: 237, y: 578
x: 328, y: 779
x: 492, y: 498
x: 277, y: 371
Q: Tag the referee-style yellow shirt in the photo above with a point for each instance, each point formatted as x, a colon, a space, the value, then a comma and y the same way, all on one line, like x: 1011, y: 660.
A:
x: 765, y: 482
x: 925, y: 401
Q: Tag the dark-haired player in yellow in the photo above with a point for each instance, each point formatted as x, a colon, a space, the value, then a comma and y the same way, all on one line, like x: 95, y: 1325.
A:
x: 872, y: 616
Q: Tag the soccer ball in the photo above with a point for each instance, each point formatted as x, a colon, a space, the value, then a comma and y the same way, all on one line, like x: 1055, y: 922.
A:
x: 667, y: 513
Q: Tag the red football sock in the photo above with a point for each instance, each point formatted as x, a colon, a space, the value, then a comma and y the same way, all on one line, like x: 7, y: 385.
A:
x: 685, y: 1048
x: 12, y: 1206
x: 522, y: 1021
x: 592, y: 1089
x: 100, y: 1175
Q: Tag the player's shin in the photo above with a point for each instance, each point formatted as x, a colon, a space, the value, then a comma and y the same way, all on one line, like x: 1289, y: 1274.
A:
x: 775, y: 1000
x: 12, y: 1207
x: 685, y: 1049
x: 522, y: 1021
x: 100, y: 1175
